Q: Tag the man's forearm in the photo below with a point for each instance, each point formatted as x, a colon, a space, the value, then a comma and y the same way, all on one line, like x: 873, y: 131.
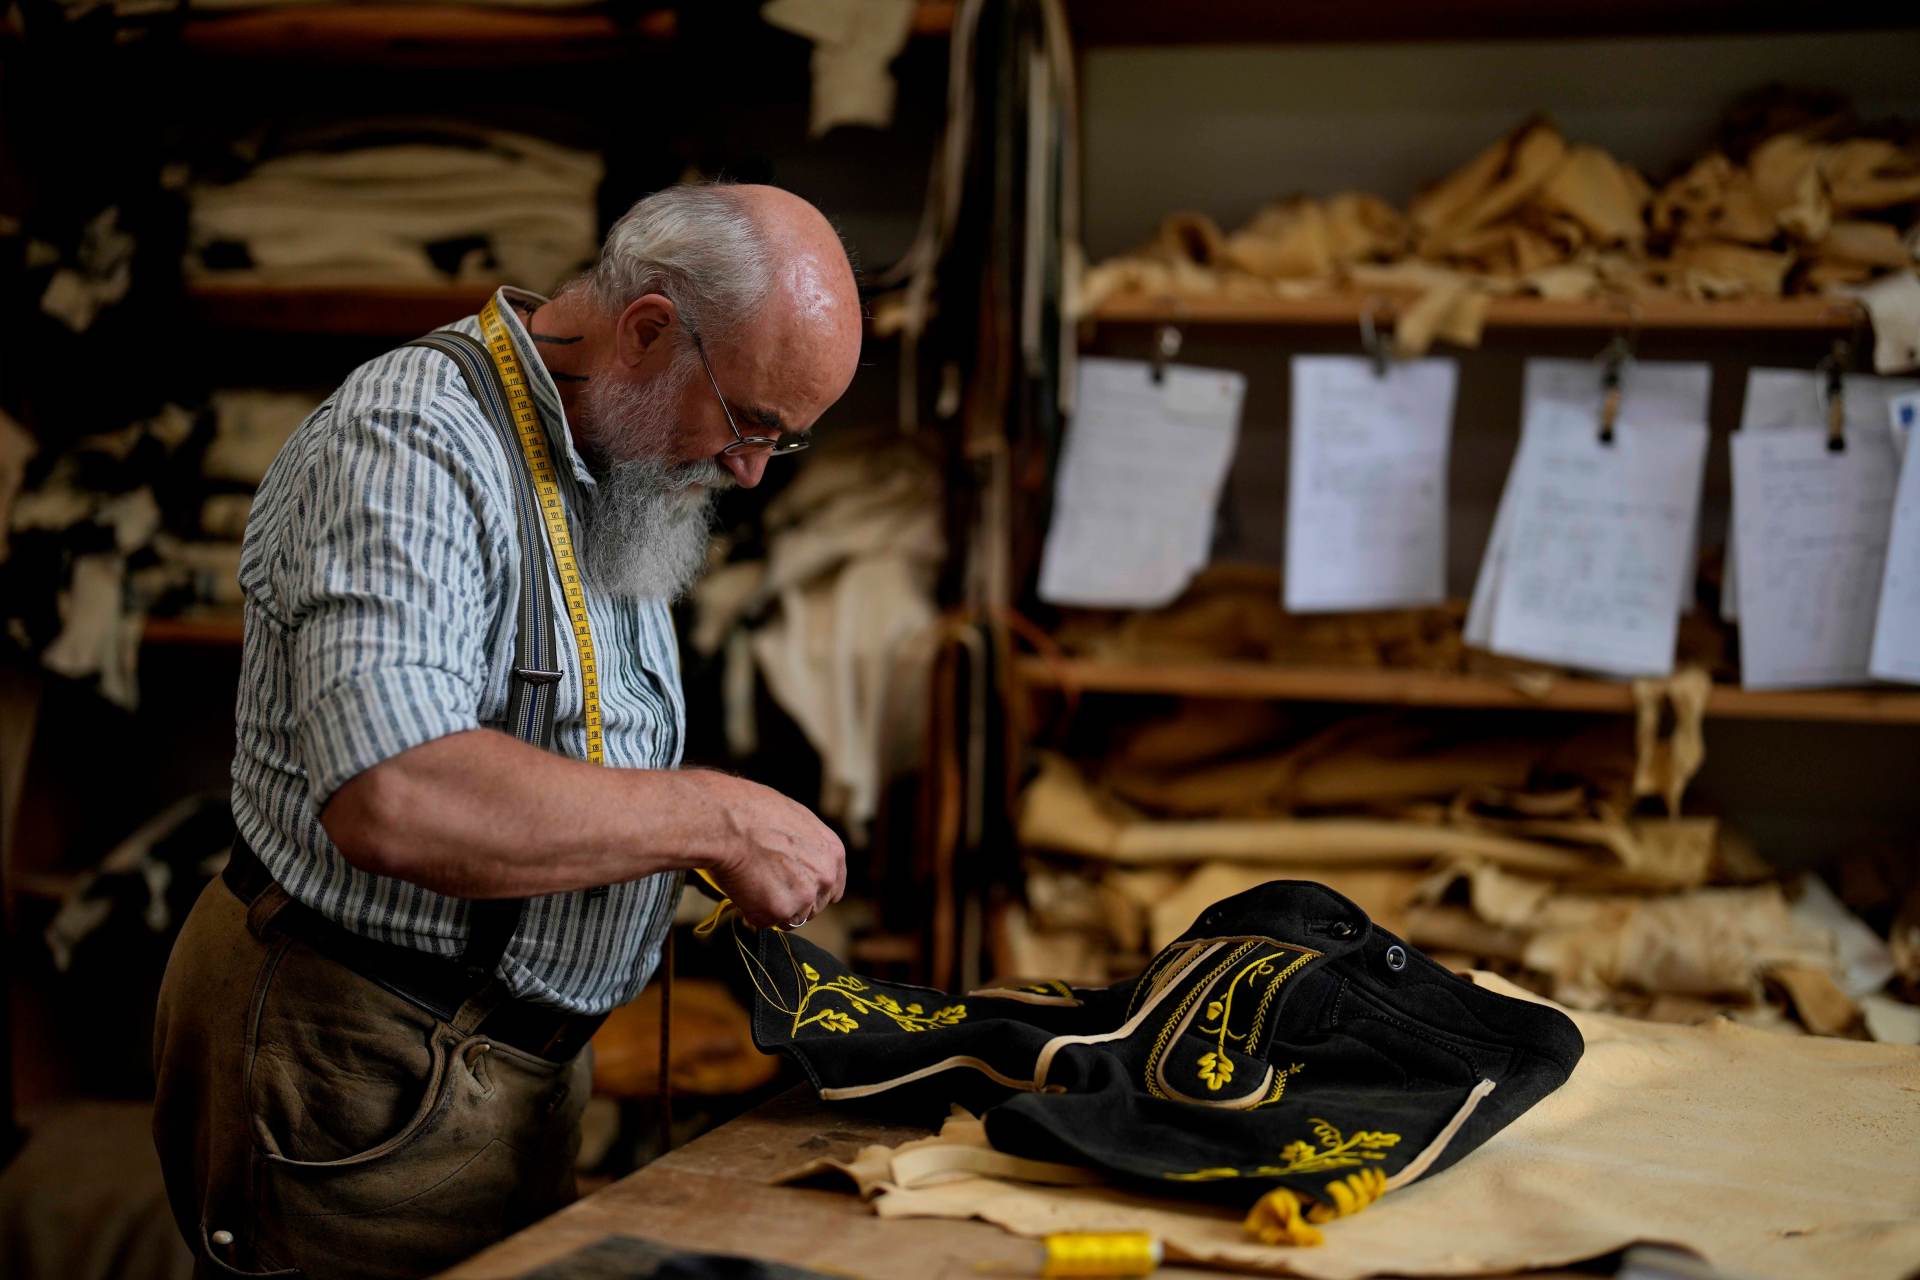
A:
x: 483, y: 815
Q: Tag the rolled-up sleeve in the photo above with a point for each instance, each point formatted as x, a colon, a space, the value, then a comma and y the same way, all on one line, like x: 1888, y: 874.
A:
x: 385, y: 591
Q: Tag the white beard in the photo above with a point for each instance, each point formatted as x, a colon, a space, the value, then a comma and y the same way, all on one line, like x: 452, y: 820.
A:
x: 647, y: 525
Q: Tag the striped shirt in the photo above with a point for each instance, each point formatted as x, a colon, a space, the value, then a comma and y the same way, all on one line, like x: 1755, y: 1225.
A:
x: 381, y: 573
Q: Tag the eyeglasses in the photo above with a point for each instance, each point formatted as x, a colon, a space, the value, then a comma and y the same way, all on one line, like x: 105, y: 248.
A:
x: 743, y: 445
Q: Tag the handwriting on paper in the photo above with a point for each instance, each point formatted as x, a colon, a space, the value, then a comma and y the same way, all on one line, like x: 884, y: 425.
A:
x: 1367, y: 483
x: 1138, y: 483
x: 1811, y: 531
x: 1599, y: 542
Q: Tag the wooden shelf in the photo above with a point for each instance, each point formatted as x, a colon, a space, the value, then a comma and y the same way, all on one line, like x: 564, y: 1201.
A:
x: 1136, y: 22
x: 1440, y: 689
x: 438, y: 34
x: 1783, y: 315
x: 454, y: 35
x: 389, y: 311
x: 212, y: 630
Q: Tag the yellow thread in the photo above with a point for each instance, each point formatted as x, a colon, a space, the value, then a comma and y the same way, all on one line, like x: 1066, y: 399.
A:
x: 1216, y: 1067
x: 1276, y: 1219
x: 1266, y: 998
x: 1101, y: 1254
x: 553, y: 512
x: 706, y: 927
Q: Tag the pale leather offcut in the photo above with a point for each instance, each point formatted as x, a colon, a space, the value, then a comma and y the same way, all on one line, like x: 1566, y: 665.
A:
x: 1802, y: 212
x: 1061, y: 812
x: 1768, y: 1155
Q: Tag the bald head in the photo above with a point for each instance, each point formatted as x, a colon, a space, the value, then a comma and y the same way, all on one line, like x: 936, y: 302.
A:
x: 809, y: 318
x: 716, y: 314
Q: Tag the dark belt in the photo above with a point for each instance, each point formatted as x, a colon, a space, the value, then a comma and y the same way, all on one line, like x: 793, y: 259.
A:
x: 438, y: 985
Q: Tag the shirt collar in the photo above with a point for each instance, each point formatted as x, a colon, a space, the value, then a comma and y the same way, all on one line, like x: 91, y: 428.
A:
x: 546, y: 393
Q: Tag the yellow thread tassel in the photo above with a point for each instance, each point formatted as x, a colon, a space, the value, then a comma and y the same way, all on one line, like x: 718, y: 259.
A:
x: 1350, y: 1194
x: 1277, y: 1219
x: 1101, y: 1254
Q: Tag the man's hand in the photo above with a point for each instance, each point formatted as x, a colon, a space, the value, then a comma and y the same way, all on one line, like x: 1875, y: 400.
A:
x: 784, y: 865
x: 483, y: 815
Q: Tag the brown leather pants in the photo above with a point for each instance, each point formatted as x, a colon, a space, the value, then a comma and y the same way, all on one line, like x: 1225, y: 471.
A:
x: 312, y: 1123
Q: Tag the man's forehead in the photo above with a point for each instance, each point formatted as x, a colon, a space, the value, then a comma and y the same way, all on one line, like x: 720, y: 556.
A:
x: 783, y: 381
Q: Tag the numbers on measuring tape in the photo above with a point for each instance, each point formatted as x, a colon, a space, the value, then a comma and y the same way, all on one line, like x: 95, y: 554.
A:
x: 546, y: 486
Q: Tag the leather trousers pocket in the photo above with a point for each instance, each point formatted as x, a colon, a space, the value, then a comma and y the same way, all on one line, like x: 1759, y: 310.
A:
x: 385, y: 1142
x: 433, y: 1192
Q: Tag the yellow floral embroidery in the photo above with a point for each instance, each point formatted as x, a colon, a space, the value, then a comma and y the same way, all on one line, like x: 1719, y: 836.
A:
x: 1180, y: 1011
x: 1280, y: 1077
x: 855, y: 991
x: 1334, y: 1150
x: 909, y: 1017
x: 1216, y: 1068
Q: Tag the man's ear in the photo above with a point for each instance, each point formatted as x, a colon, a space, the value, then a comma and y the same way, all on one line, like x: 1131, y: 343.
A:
x: 642, y: 328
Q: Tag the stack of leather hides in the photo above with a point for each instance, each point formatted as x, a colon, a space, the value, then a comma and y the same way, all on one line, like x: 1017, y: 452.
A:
x: 1796, y: 199
x: 1283, y: 1042
x: 1233, y: 612
x: 1529, y: 849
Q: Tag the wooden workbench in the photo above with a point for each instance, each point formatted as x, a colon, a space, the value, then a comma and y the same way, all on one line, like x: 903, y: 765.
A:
x: 716, y: 1194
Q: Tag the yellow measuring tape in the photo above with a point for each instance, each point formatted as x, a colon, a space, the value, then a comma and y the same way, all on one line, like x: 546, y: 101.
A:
x: 546, y: 486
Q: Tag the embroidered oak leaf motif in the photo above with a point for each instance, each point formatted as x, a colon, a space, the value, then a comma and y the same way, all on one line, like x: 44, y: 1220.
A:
x: 1216, y: 1069
x: 888, y: 1003
x: 1334, y: 1150
x: 834, y: 1020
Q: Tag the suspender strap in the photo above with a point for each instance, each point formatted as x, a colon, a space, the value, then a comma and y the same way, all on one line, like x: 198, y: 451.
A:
x: 536, y: 666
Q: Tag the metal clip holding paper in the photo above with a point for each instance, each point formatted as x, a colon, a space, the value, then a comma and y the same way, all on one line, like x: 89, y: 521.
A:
x: 1378, y: 349
x: 1613, y: 369
x: 1166, y: 345
x: 1830, y: 392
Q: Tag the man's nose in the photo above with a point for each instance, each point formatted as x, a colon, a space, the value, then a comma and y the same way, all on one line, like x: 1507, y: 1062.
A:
x: 746, y: 468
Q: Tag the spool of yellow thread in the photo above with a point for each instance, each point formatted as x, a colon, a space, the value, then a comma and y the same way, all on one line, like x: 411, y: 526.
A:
x: 1101, y: 1254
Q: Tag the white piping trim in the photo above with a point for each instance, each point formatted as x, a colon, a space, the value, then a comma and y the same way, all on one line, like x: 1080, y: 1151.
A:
x: 1168, y: 979
x: 1420, y: 1163
x: 1176, y: 971
x: 945, y: 1064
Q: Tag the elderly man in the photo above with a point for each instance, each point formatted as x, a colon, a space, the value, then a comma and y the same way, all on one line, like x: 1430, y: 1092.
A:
x: 359, y: 1075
